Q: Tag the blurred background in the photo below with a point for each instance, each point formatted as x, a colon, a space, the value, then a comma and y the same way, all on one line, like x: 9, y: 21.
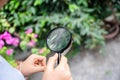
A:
x: 94, y: 24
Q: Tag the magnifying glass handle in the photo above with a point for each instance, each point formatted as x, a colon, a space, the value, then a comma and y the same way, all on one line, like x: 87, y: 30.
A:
x: 59, y: 57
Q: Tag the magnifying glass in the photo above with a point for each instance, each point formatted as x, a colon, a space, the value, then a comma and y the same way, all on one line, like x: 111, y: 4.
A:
x: 59, y: 40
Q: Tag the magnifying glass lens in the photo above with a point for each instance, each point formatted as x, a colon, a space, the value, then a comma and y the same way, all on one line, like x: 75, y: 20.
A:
x: 58, y: 39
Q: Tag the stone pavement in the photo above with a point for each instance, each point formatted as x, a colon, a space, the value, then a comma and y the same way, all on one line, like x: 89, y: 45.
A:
x: 91, y: 65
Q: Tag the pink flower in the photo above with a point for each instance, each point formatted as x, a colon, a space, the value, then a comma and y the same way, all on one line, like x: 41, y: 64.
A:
x: 15, y: 41
x: 41, y: 51
x: 9, y: 41
x: 31, y: 43
x: 35, y: 35
x: 30, y: 30
x: 9, y: 51
x: 1, y: 44
x: 1, y: 36
x: 6, y: 35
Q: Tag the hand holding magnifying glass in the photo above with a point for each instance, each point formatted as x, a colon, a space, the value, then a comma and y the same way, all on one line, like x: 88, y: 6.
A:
x: 59, y: 40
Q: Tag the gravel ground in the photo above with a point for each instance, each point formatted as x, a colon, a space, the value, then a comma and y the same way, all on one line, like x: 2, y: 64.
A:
x: 91, y: 65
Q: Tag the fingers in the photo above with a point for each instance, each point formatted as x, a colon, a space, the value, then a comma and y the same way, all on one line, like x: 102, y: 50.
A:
x: 38, y: 56
x: 39, y: 68
x: 38, y: 60
x: 71, y: 78
x: 39, y: 63
x: 44, y: 61
x: 51, y: 62
x: 67, y: 67
x: 63, y: 61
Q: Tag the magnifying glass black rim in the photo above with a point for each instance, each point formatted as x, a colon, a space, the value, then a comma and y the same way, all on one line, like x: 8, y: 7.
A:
x: 67, y: 44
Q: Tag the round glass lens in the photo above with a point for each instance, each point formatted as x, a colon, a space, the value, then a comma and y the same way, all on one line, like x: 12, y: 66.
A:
x: 58, y: 39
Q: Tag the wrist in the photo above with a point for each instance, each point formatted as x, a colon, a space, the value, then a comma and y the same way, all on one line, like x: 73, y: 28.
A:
x: 19, y: 67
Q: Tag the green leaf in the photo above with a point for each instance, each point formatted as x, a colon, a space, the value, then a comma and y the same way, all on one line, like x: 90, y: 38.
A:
x: 73, y: 7
x: 32, y: 10
x: 16, y: 5
x: 43, y: 23
x: 38, y: 2
x: 3, y: 50
x: 23, y: 45
x: 12, y: 29
x: 12, y: 62
x: 35, y: 50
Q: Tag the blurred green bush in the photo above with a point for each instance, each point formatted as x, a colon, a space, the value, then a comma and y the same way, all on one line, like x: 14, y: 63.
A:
x: 81, y: 17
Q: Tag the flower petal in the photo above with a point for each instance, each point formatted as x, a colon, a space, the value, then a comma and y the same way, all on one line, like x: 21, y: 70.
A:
x: 30, y: 30
x: 9, y: 51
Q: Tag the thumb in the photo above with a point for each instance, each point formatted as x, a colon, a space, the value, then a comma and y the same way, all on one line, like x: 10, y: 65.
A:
x: 40, y: 69
x: 51, y: 62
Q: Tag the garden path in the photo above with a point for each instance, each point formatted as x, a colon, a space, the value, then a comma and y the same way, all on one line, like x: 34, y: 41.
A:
x: 90, y: 65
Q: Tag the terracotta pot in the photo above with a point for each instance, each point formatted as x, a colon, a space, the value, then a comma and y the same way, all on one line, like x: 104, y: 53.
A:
x: 3, y: 2
x: 113, y: 33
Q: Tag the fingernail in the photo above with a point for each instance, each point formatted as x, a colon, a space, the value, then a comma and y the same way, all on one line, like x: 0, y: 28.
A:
x: 56, y: 54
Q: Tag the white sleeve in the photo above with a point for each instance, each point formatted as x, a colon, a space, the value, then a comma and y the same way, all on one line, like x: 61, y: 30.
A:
x: 7, y: 72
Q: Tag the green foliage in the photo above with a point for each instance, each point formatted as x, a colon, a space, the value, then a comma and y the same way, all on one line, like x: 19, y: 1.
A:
x: 103, y: 7
x: 9, y: 58
x: 43, y: 15
x: 81, y: 17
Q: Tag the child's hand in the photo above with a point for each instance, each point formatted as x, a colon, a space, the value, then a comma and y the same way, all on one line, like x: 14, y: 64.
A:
x: 33, y: 64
